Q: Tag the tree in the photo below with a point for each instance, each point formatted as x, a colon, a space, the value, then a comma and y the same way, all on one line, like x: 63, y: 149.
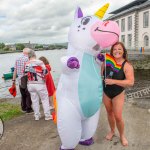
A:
x: 6, y: 48
x: 20, y: 46
x: 2, y: 45
x: 39, y: 46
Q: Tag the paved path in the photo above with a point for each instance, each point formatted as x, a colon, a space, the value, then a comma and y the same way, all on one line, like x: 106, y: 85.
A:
x: 23, y: 133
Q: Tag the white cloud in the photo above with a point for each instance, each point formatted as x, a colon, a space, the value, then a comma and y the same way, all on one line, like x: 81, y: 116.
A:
x: 43, y: 21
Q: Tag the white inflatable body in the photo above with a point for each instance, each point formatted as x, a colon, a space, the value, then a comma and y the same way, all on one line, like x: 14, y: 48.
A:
x: 79, y: 91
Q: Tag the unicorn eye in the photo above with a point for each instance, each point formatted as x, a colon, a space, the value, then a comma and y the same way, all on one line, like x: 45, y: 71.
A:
x: 85, y: 21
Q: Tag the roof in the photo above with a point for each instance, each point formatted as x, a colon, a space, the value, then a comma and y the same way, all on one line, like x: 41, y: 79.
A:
x: 129, y: 9
x: 128, y: 6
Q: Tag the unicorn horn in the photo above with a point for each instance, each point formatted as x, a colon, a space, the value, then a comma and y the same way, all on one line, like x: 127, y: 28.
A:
x: 101, y: 12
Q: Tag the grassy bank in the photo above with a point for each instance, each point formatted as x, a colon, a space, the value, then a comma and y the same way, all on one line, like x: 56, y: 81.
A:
x: 9, y: 111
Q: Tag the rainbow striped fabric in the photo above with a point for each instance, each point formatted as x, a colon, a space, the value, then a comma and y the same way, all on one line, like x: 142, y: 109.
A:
x: 110, y: 61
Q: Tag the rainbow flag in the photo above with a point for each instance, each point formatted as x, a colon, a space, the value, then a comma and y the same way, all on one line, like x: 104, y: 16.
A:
x: 110, y: 61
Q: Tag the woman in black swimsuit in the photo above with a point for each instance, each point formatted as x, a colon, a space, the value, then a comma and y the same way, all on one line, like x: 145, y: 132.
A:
x: 113, y: 87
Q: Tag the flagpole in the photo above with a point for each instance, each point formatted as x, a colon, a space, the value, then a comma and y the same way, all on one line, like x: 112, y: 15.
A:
x: 105, y: 68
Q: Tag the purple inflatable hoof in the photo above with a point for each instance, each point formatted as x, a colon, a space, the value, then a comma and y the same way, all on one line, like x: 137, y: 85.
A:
x: 87, y: 142
x: 66, y: 149
x: 101, y: 57
x: 73, y: 62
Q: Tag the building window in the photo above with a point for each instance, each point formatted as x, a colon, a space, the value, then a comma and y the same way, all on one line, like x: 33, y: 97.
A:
x: 146, y: 40
x: 129, y: 40
x: 123, y: 39
x: 117, y: 22
x: 122, y: 25
x: 146, y: 19
x: 129, y: 23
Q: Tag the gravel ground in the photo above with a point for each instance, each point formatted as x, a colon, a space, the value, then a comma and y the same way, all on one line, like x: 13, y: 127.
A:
x: 24, y: 133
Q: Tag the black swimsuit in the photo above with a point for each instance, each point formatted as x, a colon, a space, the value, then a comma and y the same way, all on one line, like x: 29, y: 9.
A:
x: 113, y: 90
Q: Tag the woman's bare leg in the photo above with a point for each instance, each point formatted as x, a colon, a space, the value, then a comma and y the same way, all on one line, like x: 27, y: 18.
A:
x: 111, y: 119
x: 118, y: 102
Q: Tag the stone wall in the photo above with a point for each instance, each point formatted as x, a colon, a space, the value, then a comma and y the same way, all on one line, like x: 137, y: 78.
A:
x: 140, y: 61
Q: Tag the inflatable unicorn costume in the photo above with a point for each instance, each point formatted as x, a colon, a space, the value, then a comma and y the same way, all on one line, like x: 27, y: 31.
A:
x: 79, y: 92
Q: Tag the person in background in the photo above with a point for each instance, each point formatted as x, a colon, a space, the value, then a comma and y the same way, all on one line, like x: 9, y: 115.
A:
x: 114, y: 90
x: 49, y: 81
x: 19, y: 70
x: 36, y: 71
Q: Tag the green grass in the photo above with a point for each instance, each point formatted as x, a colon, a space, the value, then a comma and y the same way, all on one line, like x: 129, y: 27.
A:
x: 9, y: 111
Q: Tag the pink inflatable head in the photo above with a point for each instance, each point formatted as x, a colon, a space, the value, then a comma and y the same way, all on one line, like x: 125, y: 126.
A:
x: 105, y: 33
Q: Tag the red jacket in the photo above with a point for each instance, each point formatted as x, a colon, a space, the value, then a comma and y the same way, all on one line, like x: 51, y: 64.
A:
x: 49, y: 81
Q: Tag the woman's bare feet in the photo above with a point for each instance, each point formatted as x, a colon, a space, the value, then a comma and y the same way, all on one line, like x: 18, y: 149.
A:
x: 124, y: 141
x: 110, y: 135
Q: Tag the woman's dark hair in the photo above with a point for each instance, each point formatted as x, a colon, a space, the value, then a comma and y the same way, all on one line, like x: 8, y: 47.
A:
x: 125, y: 55
x: 45, y: 61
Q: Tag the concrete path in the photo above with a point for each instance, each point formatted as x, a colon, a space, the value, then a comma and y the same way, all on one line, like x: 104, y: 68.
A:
x: 23, y: 133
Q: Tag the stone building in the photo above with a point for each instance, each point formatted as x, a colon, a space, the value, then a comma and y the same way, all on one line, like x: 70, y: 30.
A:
x: 134, y: 22
x: 29, y: 45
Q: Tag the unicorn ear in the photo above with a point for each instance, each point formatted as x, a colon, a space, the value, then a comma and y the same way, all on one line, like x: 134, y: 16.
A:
x: 78, y: 13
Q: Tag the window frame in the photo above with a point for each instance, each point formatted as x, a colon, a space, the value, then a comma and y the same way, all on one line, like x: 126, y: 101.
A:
x: 146, y: 41
x: 130, y: 42
x: 145, y: 24
x: 129, y: 22
x: 123, y: 27
x: 122, y: 39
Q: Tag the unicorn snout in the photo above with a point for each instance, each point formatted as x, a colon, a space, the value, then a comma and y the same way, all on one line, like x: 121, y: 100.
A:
x: 105, y: 33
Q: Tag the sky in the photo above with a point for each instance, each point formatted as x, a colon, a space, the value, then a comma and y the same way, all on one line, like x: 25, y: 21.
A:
x: 44, y: 21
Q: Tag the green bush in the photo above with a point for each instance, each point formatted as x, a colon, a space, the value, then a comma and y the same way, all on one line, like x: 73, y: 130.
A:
x: 2, y: 45
x: 20, y: 46
x: 6, y: 49
x: 38, y: 46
